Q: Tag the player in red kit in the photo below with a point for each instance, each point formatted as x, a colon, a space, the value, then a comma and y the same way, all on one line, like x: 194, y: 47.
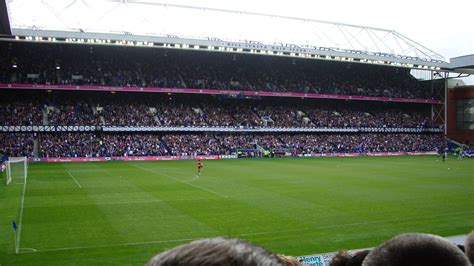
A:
x: 199, y: 165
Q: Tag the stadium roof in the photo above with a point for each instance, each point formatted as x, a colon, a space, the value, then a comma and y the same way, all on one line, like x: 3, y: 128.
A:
x: 4, y: 23
x: 144, y: 21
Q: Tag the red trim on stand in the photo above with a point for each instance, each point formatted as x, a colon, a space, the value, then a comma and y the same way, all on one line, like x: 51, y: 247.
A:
x: 215, y: 92
x: 208, y: 157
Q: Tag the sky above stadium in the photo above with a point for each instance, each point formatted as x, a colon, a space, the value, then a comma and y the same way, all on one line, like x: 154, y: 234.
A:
x: 442, y: 28
x: 445, y: 27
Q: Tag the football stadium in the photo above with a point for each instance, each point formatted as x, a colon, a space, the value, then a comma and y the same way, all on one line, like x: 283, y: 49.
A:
x: 126, y: 133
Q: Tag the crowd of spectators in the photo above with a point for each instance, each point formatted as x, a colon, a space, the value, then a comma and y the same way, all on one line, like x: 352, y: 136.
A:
x: 63, y: 64
x: 131, y: 145
x: 17, y: 145
x: 67, y: 145
x: 93, y: 145
x: 342, y: 143
x: 188, y: 145
x: 132, y: 109
x: 26, y: 114
x: 25, y: 109
x: 72, y: 114
x: 139, y: 144
x: 381, y: 118
x: 136, y: 115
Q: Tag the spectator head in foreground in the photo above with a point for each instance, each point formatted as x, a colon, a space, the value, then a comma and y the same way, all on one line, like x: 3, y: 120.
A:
x: 357, y: 258
x: 288, y: 260
x: 216, y: 251
x: 341, y: 258
x: 469, y: 247
x: 416, y: 249
x: 345, y: 258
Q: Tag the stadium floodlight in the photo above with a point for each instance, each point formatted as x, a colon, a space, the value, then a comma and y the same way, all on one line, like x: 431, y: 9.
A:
x: 16, y: 169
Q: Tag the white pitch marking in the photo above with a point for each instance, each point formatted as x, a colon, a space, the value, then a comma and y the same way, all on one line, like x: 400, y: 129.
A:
x: 192, y: 179
x: 184, y: 182
x: 126, y: 202
x: 18, y: 240
x: 265, y: 233
x: 133, y: 202
x: 116, y: 245
x: 79, y: 185
x: 32, y: 249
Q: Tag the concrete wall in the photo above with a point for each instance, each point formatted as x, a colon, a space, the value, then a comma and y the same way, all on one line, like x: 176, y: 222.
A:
x: 454, y: 94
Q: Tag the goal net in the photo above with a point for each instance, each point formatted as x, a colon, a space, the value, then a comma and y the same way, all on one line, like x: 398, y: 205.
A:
x: 16, y: 169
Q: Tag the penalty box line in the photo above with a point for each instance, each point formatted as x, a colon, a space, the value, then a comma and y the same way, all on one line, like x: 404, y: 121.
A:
x: 75, y: 180
x: 257, y: 233
x: 184, y: 182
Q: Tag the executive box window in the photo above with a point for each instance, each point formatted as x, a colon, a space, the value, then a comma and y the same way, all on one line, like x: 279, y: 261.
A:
x: 465, y: 114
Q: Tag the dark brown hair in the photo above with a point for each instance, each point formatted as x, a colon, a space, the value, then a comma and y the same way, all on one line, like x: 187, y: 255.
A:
x: 216, y: 251
x: 416, y: 249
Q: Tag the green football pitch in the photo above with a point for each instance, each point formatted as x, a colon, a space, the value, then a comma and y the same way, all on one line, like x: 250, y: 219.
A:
x: 106, y: 213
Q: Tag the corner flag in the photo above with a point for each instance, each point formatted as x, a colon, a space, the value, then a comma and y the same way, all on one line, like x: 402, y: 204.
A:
x: 14, y: 226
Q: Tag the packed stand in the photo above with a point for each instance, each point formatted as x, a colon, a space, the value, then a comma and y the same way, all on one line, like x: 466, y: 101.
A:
x: 191, y: 145
x: 24, y: 109
x: 25, y: 114
x: 345, y: 143
x: 72, y: 114
x: 62, y: 64
x: 140, y: 110
x: 123, y: 145
x: 133, y: 115
x: 68, y: 145
x: 17, y: 145
x: 139, y: 144
x: 367, y: 117
x: 181, y: 115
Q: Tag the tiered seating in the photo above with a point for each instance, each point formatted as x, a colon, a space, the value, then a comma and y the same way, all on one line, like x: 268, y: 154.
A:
x: 100, y: 66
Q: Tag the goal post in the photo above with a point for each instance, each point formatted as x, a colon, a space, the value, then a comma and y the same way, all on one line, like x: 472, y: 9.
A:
x: 17, y: 169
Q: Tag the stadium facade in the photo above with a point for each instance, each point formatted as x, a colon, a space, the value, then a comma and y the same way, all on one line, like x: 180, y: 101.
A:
x: 92, y: 92
x: 334, y: 66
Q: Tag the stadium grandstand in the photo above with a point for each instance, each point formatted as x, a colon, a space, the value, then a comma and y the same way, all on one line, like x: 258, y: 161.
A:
x: 89, y: 81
